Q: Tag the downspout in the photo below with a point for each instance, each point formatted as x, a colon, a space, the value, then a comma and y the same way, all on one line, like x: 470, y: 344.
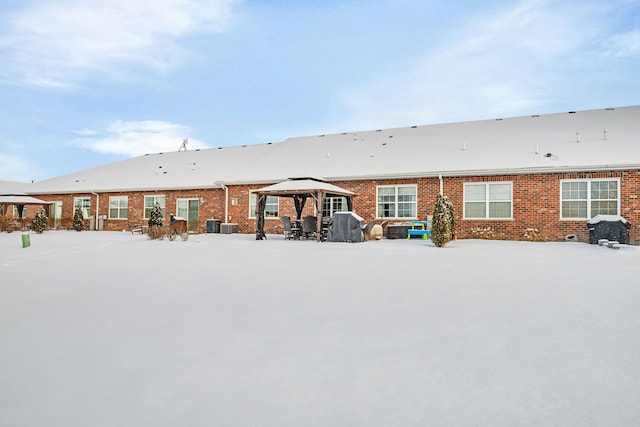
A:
x: 226, y: 202
x: 96, y: 221
x: 441, y: 183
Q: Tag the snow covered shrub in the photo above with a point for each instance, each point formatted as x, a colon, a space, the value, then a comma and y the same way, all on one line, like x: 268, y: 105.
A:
x: 156, y: 230
x: 482, y: 233
x: 443, y: 223
x: 78, y: 220
x: 4, y: 224
x: 534, y: 235
x: 156, y: 216
x: 40, y: 222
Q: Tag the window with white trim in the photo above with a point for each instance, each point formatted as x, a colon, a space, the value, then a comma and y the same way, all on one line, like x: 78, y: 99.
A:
x: 586, y: 198
x: 397, y: 201
x: 150, y: 202
x: 118, y: 207
x: 272, y: 208
x: 488, y: 200
x: 84, y: 203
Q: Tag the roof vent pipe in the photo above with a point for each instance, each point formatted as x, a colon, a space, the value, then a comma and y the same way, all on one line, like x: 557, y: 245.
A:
x: 605, y: 133
x: 577, y: 136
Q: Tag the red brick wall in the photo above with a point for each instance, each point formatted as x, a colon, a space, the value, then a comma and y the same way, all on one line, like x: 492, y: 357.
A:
x: 536, y: 204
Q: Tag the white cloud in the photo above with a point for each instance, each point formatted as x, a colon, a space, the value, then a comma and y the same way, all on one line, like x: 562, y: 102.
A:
x: 135, y: 138
x: 47, y: 42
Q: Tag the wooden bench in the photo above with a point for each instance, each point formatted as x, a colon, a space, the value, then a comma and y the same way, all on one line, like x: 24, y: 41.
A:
x: 137, y: 228
x: 419, y: 228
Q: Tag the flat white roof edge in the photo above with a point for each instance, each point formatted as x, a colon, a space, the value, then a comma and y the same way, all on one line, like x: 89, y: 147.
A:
x: 487, y: 172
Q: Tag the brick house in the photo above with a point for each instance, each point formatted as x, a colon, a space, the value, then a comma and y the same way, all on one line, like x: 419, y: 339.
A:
x: 546, y: 174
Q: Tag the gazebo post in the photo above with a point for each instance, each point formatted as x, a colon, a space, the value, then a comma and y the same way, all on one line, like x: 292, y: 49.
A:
x: 319, y: 205
x: 260, y: 208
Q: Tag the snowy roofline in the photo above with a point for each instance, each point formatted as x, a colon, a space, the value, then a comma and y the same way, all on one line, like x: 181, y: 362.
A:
x: 591, y: 140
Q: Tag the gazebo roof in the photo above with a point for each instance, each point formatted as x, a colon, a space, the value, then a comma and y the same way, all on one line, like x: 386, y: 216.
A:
x: 299, y: 186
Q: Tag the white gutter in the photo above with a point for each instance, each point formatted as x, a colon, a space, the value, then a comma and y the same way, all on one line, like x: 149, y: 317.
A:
x: 96, y: 221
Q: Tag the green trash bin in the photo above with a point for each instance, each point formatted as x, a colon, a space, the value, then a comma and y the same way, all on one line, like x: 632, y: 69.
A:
x: 26, y: 240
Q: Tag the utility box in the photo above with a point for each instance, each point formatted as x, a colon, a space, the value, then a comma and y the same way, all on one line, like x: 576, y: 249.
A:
x: 609, y: 227
x: 228, y: 228
x: 213, y: 226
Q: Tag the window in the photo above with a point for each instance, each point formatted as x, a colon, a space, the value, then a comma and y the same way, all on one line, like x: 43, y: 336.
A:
x: 332, y: 205
x: 584, y: 199
x: 397, y: 201
x: 272, y: 208
x: 84, y: 203
x: 150, y: 202
x: 118, y: 207
x: 488, y: 200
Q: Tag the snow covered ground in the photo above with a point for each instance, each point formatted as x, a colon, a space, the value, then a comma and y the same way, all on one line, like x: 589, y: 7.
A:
x: 111, y: 329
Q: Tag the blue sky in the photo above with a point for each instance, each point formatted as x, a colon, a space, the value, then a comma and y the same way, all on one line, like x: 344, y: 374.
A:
x: 88, y: 82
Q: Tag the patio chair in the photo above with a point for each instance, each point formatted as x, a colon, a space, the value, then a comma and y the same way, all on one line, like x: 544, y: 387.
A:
x: 290, y: 231
x: 309, y: 227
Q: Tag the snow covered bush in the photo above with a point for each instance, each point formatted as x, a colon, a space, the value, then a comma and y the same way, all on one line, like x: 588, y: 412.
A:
x: 482, y: 233
x: 443, y: 223
x: 156, y: 230
x: 78, y: 220
x: 156, y: 216
x: 534, y: 235
x: 40, y: 222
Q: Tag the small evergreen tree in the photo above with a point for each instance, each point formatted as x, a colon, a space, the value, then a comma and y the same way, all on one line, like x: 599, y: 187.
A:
x: 78, y: 220
x: 156, y: 216
x: 443, y: 223
x: 40, y: 222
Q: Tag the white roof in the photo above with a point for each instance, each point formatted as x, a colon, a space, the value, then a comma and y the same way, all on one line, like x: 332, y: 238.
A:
x: 12, y: 187
x: 588, y: 140
x: 297, y: 186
